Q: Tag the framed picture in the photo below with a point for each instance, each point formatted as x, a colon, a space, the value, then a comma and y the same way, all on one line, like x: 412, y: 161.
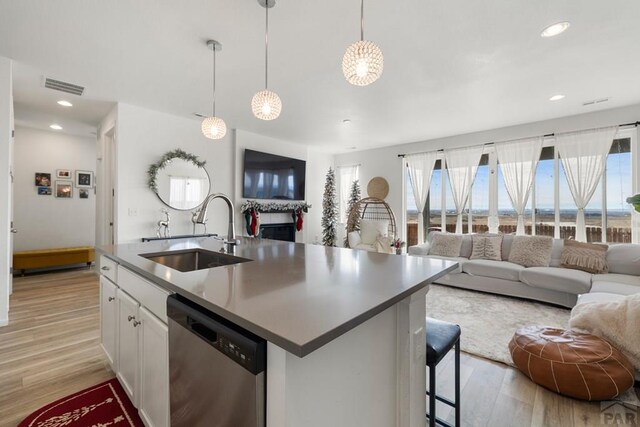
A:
x: 64, y: 189
x: 44, y: 191
x: 83, y: 193
x: 43, y: 179
x: 84, y: 179
x: 63, y: 173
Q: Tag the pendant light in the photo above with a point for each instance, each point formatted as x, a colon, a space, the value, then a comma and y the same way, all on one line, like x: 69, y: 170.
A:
x: 266, y: 105
x: 214, y: 127
x: 363, y: 62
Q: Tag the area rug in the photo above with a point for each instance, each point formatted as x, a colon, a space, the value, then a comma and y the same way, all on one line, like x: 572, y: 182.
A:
x: 102, y: 405
x: 488, y: 321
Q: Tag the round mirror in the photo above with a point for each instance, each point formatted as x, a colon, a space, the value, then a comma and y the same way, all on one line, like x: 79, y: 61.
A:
x: 181, y: 184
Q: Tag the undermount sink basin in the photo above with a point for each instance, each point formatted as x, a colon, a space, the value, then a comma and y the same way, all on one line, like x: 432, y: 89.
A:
x: 193, y: 259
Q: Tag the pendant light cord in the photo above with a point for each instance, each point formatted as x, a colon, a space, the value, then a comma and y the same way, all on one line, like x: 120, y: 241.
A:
x: 266, y: 45
x: 214, y: 80
x: 361, y: 20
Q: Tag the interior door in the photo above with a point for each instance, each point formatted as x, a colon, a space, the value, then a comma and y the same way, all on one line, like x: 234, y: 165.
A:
x: 11, y: 175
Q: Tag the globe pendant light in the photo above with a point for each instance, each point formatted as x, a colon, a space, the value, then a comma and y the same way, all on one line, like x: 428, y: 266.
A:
x: 214, y: 127
x: 362, y: 62
x: 266, y: 104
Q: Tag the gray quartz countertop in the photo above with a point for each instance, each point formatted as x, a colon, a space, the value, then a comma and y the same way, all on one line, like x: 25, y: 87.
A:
x: 297, y: 296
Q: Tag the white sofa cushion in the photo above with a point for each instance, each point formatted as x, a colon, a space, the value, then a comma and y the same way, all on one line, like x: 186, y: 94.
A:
x: 624, y: 259
x: 362, y: 246
x: 620, y: 284
x: 354, y: 239
x: 599, y: 297
x: 460, y: 260
x: 616, y: 278
x: 422, y: 249
x: 496, y: 269
x: 557, y: 279
x: 370, y: 230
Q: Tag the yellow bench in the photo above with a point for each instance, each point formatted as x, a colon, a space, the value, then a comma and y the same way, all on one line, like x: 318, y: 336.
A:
x: 44, y: 258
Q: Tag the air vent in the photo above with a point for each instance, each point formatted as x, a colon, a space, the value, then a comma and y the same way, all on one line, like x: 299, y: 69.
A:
x: 595, y: 101
x: 63, y: 86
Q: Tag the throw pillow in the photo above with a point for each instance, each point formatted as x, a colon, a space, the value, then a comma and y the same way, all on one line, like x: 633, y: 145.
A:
x: 383, y: 245
x: 589, y: 257
x: 486, y: 247
x: 531, y: 251
x: 370, y: 230
x: 447, y: 245
x: 354, y: 239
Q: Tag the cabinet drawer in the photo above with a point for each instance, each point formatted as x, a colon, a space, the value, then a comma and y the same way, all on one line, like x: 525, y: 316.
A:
x: 109, y: 268
x: 148, y: 295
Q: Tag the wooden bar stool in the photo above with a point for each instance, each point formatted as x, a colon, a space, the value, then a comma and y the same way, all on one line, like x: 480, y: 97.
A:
x: 441, y: 337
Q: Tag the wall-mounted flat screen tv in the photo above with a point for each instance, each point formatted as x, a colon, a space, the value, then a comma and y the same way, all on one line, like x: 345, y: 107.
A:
x: 267, y: 176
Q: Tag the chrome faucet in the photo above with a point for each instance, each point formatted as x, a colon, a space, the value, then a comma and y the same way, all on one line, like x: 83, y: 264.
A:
x: 202, y: 217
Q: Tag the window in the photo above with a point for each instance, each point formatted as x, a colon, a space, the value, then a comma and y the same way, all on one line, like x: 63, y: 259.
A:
x: 346, y: 176
x: 619, y: 187
x: 479, y: 201
x: 545, y: 210
x: 435, y: 197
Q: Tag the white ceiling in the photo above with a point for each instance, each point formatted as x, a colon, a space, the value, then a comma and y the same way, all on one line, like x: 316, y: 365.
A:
x: 451, y: 66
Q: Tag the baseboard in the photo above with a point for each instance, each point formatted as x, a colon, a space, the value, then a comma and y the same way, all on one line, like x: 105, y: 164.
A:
x: 4, y: 322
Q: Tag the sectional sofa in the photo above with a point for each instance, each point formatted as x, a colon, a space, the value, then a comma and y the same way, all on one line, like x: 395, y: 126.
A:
x: 552, y: 284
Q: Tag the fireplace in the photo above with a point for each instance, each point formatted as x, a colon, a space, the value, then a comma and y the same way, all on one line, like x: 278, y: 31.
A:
x: 283, y: 231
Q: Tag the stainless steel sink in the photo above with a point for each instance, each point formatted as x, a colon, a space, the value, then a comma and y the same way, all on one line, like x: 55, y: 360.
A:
x: 193, y: 259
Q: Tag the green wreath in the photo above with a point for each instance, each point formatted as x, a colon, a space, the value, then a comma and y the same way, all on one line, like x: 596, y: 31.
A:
x: 164, y: 160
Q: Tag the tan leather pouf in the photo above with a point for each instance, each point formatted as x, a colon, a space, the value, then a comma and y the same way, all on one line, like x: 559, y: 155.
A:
x: 577, y: 365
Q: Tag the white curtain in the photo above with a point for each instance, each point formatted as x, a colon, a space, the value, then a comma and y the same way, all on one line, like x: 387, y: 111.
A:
x: 420, y: 167
x: 518, y: 161
x: 346, y: 176
x: 462, y: 165
x: 584, y: 157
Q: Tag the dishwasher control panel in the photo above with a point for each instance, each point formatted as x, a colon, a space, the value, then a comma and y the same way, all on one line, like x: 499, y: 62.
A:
x: 235, y: 352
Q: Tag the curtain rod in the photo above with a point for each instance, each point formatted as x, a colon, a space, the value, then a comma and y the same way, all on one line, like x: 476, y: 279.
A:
x: 544, y: 136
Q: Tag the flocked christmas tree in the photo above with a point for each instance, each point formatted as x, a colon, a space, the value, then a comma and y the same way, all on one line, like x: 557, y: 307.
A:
x: 354, y: 197
x: 329, y: 211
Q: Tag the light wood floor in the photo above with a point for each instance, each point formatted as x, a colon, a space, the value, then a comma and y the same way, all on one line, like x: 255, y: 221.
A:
x: 51, y: 349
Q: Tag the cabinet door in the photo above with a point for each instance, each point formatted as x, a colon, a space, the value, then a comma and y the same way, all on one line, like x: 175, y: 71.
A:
x: 128, y: 344
x: 154, y: 370
x: 108, y: 320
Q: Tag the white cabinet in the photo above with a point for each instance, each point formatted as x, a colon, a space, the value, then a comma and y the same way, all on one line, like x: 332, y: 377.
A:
x: 154, y: 370
x: 108, y: 320
x: 128, y: 359
x: 135, y: 339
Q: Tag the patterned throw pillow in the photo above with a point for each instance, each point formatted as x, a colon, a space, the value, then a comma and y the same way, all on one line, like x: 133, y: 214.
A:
x: 531, y: 251
x: 486, y: 247
x: 447, y: 245
x: 588, y: 257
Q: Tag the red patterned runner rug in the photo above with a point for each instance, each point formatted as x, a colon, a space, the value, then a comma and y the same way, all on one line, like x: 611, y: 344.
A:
x: 102, y: 405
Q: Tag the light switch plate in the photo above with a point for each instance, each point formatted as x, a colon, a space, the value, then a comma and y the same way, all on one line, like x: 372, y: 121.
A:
x: 133, y: 212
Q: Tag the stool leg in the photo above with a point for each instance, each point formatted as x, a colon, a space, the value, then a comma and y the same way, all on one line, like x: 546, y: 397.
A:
x: 432, y: 396
x: 457, y: 386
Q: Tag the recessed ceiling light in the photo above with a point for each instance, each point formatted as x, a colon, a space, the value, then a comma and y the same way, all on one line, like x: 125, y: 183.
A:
x: 556, y: 97
x: 346, y: 122
x: 555, y: 29
x: 64, y: 103
x: 55, y: 126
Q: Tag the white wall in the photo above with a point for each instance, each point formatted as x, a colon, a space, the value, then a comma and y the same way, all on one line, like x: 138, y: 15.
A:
x: 317, y: 165
x: 143, y: 136
x: 6, y: 124
x: 385, y: 162
x: 46, y: 221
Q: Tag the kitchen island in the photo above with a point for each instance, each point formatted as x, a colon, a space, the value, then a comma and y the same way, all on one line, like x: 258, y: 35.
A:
x: 344, y: 328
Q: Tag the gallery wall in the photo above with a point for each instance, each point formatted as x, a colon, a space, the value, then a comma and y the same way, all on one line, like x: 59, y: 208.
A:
x: 47, y: 221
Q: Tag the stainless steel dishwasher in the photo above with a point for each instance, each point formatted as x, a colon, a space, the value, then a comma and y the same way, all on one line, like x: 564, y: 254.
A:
x: 217, y: 369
